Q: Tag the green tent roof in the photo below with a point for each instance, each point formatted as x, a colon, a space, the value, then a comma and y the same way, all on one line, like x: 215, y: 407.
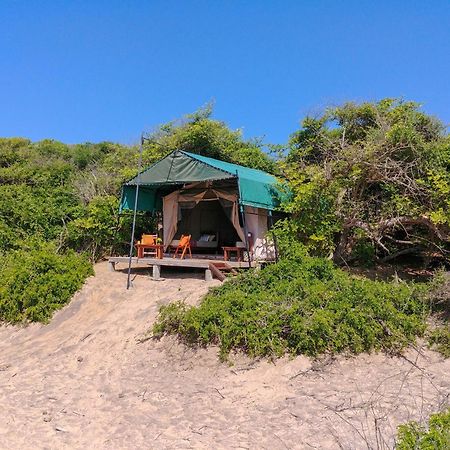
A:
x: 256, y: 188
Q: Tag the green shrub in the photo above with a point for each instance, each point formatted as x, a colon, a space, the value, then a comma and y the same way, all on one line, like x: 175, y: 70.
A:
x: 370, y: 181
x: 36, y: 281
x: 101, y: 231
x: 437, y: 437
x: 439, y: 340
x: 301, y: 305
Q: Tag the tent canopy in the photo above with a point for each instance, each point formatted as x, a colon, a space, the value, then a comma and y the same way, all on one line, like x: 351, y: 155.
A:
x: 256, y: 188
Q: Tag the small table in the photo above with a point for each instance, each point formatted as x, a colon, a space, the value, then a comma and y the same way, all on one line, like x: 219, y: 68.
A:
x: 228, y: 250
x: 158, y: 247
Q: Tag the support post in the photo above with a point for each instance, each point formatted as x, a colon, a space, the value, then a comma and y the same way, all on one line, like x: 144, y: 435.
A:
x: 247, y: 243
x: 133, y: 228
x: 241, y: 210
x: 208, y: 275
x: 156, y: 272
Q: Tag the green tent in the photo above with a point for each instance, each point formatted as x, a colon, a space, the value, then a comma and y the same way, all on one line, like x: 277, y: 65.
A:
x: 256, y: 188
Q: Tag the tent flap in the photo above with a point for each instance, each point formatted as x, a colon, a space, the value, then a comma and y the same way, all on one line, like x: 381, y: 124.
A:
x: 147, y: 199
x: 171, y: 202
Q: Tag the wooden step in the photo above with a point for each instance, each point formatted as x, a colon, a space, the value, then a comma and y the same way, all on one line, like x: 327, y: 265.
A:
x: 218, y: 269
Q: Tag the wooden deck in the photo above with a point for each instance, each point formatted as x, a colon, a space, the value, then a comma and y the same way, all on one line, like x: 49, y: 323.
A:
x: 168, y: 261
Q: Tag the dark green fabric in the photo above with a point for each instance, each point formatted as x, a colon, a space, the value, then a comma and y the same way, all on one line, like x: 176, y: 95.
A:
x: 256, y: 188
x: 147, y: 200
x: 179, y: 168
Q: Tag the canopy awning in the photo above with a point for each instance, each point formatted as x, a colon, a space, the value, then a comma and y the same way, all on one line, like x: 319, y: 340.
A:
x: 256, y: 188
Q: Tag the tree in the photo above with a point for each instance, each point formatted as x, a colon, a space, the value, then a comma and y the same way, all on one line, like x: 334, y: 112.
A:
x: 199, y: 133
x: 371, y: 180
x: 106, y: 166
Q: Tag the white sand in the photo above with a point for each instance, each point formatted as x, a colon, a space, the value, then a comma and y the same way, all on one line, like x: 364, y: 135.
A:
x: 84, y: 381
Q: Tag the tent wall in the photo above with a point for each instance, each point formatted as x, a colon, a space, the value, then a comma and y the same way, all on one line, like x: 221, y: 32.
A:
x: 170, y: 217
x: 256, y: 220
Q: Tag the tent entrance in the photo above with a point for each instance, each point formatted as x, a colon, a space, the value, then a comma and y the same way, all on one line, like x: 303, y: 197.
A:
x: 202, y: 209
x: 207, y: 217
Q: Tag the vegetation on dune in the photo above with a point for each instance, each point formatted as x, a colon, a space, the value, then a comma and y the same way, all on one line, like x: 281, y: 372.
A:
x: 199, y: 133
x: 371, y: 183
x: 436, y: 436
x: 439, y: 331
x: 36, y: 281
x: 302, y: 305
x: 56, y: 199
x: 439, y: 339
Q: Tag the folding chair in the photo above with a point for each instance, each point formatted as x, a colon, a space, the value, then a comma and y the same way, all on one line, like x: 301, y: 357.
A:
x: 184, y: 245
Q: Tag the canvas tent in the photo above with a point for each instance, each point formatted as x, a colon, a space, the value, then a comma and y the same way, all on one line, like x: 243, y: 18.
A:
x: 197, y: 194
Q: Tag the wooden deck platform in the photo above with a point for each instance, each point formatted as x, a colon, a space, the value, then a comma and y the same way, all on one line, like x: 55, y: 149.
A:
x: 168, y: 261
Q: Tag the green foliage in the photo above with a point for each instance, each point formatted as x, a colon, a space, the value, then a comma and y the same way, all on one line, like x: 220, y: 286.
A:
x: 439, y: 335
x: 36, y: 281
x: 363, y: 252
x: 102, y: 231
x: 302, y: 305
x: 198, y: 133
x: 413, y: 436
x: 377, y: 173
x: 439, y: 340
x: 97, y: 228
x: 39, y: 203
x: 27, y: 211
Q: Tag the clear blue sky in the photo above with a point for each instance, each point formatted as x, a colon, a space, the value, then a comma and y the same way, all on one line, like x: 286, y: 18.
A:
x: 106, y: 69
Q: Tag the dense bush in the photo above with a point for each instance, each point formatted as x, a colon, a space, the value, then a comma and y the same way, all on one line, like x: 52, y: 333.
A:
x: 371, y: 180
x: 301, y: 305
x: 36, y: 281
x: 199, y: 133
x: 101, y: 231
x: 413, y: 436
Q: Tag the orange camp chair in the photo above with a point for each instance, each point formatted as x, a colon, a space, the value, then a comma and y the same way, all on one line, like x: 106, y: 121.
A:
x: 184, y: 245
x: 146, y: 245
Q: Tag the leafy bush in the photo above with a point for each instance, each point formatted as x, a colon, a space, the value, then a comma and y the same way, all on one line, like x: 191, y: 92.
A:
x: 371, y: 173
x: 101, y: 231
x: 36, y: 281
x: 301, y: 305
x: 439, y: 340
x: 436, y: 437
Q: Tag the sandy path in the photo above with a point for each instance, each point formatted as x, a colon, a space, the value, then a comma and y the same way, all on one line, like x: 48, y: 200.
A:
x: 84, y: 381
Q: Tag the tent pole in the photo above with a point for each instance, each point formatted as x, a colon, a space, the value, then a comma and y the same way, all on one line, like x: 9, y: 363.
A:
x: 241, y: 210
x: 247, y: 246
x: 133, y: 228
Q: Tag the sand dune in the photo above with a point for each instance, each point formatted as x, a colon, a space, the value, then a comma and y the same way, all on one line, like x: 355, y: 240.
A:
x: 86, y: 381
